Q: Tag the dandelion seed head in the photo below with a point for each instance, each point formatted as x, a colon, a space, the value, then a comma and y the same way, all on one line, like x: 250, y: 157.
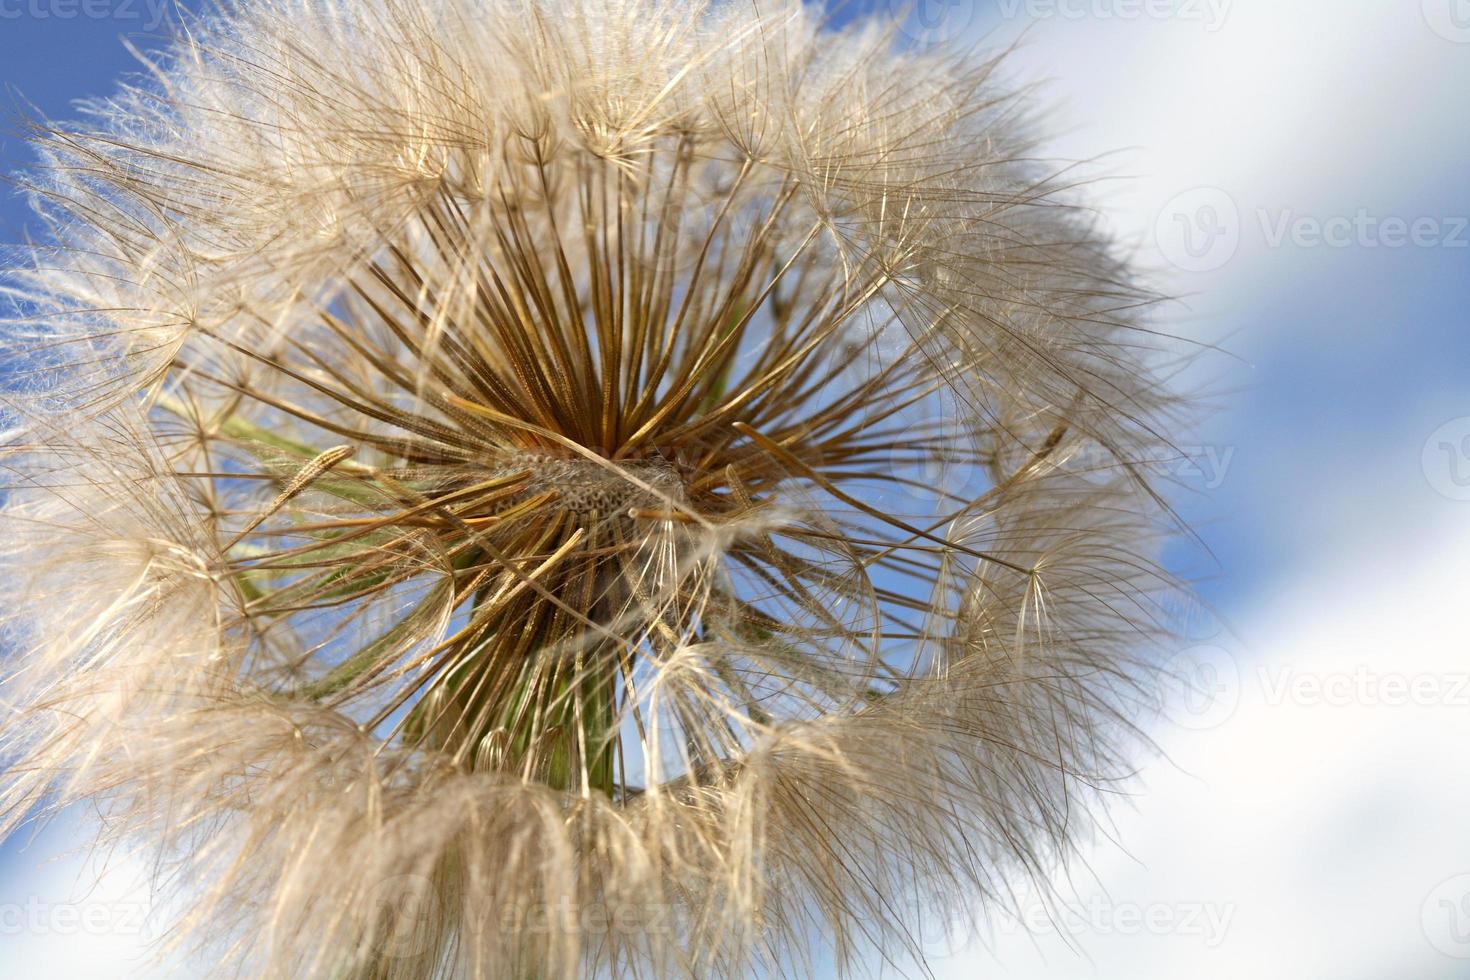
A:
x: 619, y: 455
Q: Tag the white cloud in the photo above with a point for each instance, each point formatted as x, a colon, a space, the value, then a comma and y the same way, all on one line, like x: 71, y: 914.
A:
x: 1317, y: 821
x: 64, y: 921
x: 1320, y: 818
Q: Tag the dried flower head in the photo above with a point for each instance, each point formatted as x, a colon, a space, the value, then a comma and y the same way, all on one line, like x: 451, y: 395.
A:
x: 514, y: 489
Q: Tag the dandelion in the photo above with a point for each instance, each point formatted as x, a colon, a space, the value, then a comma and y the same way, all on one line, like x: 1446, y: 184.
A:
x: 515, y: 489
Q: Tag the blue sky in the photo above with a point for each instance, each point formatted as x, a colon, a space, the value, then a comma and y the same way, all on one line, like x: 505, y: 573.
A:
x: 1310, y: 807
x: 1321, y: 487
x: 48, y: 62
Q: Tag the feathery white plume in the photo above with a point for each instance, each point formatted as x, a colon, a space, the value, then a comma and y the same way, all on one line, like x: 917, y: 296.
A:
x: 504, y: 488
